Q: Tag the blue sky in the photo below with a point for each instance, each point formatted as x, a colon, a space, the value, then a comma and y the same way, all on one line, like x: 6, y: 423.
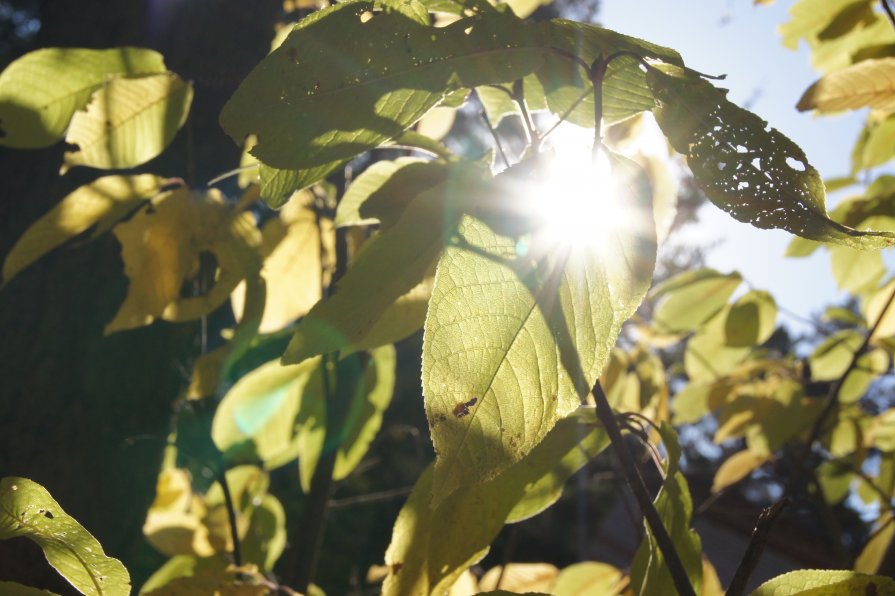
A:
x: 741, y: 40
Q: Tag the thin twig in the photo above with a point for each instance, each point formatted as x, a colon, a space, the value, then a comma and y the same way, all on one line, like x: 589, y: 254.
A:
x: 531, y: 131
x: 756, y: 545
x: 638, y: 487
x: 503, y: 156
x: 507, y: 554
x: 231, y: 517
x: 889, y: 12
x: 386, y: 495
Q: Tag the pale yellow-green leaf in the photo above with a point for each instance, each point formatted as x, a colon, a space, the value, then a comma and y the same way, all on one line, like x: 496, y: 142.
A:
x: 371, y: 180
x: 433, y: 544
x: 40, y: 92
x: 27, y: 510
x: 514, y: 341
x: 874, y: 552
x: 817, y: 582
x: 248, y: 485
x: 128, y: 122
x: 388, y: 266
x: 265, y: 538
x: 520, y: 578
x: 17, y: 589
x: 711, y: 584
x: 589, y: 579
x: 880, y: 313
x: 708, y: 356
x: 882, y: 431
x: 736, y: 467
x: 808, y: 18
x: 437, y: 123
x: 291, y: 252
x: 868, y: 367
x: 184, y: 566
x: 751, y: 320
x: 778, y: 414
x: 98, y: 205
x: 832, y: 357
x: 869, y: 83
x: 691, y: 403
x: 690, y: 299
x: 264, y: 415
x: 161, y: 249
x: 834, y: 481
x: 856, y: 271
x: 232, y: 581
x: 173, y: 523
x: 875, y: 145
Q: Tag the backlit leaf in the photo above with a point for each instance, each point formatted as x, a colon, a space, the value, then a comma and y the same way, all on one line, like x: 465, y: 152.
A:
x: 173, y: 523
x: 361, y: 99
x: 589, y: 579
x: 874, y: 552
x: 389, y: 265
x: 736, y: 467
x: 832, y: 357
x: 751, y: 171
x: 433, y: 544
x: 880, y: 313
x: 520, y: 578
x: 128, y: 122
x: 691, y: 298
x: 649, y: 573
x: 513, y: 342
x: 28, y: 510
x: 40, y: 92
x: 856, y: 271
x: 869, y: 83
x: 816, y: 582
x: 708, y: 356
x: 265, y: 539
x: 17, y: 589
x: 184, y: 566
x: 751, y: 320
x: 98, y: 205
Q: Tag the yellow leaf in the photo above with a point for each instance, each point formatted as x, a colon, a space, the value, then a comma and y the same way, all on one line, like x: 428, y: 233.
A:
x: 128, y: 122
x: 520, y: 577
x: 437, y: 123
x: 736, y: 467
x: 589, y: 579
x: 173, y: 523
x: 869, y: 83
x: 290, y: 247
x: 99, y: 204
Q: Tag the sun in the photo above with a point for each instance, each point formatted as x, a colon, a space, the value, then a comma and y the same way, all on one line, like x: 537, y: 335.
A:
x: 576, y: 197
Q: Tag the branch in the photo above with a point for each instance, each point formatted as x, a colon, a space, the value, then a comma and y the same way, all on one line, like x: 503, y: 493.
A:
x: 231, y: 517
x: 493, y: 132
x: 756, y: 545
x: 638, y: 487
x: 888, y: 10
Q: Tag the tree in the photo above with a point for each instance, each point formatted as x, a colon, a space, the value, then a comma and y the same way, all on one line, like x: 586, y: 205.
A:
x: 522, y: 281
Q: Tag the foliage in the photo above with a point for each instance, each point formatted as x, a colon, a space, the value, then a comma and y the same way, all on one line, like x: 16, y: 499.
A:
x: 544, y: 331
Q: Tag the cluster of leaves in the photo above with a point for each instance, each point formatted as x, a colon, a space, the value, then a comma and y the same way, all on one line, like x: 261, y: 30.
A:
x: 519, y: 325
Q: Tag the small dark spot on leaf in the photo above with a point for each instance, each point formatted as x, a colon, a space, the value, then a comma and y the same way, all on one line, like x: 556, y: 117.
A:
x: 48, y: 515
x: 396, y: 567
x: 462, y: 409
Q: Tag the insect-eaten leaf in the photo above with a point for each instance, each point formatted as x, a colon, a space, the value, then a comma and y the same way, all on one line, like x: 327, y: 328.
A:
x: 128, y: 122
x: 163, y: 247
x: 40, y: 92
x: 27, y: 510
x: 524, y: 325
x: 746, y: 168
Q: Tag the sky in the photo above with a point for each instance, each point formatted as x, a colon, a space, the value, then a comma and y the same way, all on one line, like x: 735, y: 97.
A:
x: 735, y: 38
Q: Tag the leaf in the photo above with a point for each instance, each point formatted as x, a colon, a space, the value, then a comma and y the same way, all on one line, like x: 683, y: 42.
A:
x: 736, y: 467
x: 17, y: 589
x: 265, y: 539
x: 184, y: 566
x: 708, y: 356
x: 874, y: 146
x: 40, y: 92
x: 690, y: 299
x: 832, y: 357
x: 856, y: 271
x: 277, y: 185
x: 513, y: 342
x: 817, y: 582
x: 625, y: 89
x: 28, y: 510
x: 589, y: 579
x: 520, y: 578
x: 874, y: 552
x: 432, y: 545
x: 98, y: 205
x: 754, y: 173
x: 649, y: 574
x: 808, y: 18
x: 751, y: 320
x: 161, y: 249
x: 290, y: 249
x: 173, y: 523
x: 128, y: 122
x: 877, y: 312
x: 233, y: 581
x: 361, y: 99
x: 389, y: 265
x: 361, y: 424
x: 264, y: 416
x: 869, y: 83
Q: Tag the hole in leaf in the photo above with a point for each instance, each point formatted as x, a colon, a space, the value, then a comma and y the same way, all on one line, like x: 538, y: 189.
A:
x: 756, y: 163
x: 468, y: 30
x: 48, y: 515
x: 796, y: 164
x: 202, y: 276
x: 366, y: 16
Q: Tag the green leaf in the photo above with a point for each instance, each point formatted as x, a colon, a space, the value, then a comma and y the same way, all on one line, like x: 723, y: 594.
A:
x: 433, y: 544
x: 277, y: 185
x: 40, y: 92
x: 184, y: 566
x: 691, y: 298
x: 708, y: 356
x: 388, y: 267
x: 751, y: 320
x: 649, y: 574
x: 361, y: 98
x: 264, y: 416
x: 362, y: 423
x: 265, y: 539
x: 16, y: 589
x: 842, y: 315
x: 877, y: 313
x: 736, y: 467
x: 98, y: 205
x: 625, y: 89
x: 808, y: 18
x: 28, y: 510
x: 754, y: 173
x: 857, y: 271
x: 869, y: 83
x: 513, y: 341
x: 874, y: 552
x: 817, y: 582
x: 874, y: 146
x: 831, y: 358
x: 588, y: 579
x: 128, y: 122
